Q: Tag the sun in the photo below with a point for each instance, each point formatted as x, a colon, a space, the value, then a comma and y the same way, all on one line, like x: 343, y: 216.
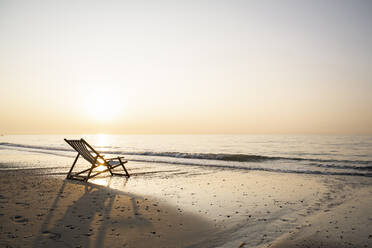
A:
x: 102, y: 105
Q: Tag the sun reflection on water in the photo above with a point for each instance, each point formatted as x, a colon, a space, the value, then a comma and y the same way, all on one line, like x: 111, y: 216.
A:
x: 103, y: 142
x: 103, y: 139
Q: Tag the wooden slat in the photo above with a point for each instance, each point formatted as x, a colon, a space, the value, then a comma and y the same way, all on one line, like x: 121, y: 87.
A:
x: 96, y: 174
x: 85, y: 153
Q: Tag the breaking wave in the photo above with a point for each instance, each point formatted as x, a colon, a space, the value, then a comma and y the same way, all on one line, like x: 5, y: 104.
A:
x: 353, y: 167
x: 203, y: 156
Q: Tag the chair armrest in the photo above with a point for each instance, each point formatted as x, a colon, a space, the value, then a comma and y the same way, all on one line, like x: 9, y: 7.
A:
x: 114, y: 158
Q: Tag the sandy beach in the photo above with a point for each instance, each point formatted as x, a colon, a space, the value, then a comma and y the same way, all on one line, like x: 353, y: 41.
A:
x: 348, y: 224
x: 164, y: 205
x: 224, y: 124
x: 49, y: 212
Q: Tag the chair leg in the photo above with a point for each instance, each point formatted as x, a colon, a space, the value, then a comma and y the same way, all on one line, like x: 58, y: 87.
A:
x: 109, y: 168
x: 90, y: 171
x: 122, y: 164
x: 72, y: 167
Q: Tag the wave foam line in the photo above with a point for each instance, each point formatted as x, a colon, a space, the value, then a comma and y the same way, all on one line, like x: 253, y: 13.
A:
x: 244, y: 168
x: 205, y: 156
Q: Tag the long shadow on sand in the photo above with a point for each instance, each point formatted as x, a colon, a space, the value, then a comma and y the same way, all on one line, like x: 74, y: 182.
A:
x: 85, y: 218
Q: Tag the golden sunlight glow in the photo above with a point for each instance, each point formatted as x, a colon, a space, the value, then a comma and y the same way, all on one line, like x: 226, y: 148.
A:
x: 101, y: 168
x: 100, y: 160
x: 165, y: 74
x: 102, y: 104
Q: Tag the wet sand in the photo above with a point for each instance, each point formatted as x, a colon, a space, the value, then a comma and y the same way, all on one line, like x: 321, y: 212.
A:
x: 164, y: 205
x: 348, y: 224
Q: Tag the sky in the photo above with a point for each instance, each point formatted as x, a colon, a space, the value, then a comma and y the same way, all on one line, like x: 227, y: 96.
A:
x: 186, y: 67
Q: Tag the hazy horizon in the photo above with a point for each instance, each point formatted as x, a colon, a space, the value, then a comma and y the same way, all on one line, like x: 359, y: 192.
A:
x: 186, y: 67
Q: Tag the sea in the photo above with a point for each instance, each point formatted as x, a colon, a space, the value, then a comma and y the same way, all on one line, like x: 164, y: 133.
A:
x: 300, y: 154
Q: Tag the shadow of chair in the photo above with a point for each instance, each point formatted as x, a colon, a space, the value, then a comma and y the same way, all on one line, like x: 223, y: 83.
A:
x: 74, y: 228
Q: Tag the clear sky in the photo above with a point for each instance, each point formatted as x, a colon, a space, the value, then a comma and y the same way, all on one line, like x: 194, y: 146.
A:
x: 254, y: 67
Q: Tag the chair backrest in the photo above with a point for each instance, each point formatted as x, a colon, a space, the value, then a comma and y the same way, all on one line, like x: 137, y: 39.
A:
x: 82, y: 147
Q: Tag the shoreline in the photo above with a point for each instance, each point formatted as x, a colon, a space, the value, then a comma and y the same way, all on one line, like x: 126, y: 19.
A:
x: 217, y: 208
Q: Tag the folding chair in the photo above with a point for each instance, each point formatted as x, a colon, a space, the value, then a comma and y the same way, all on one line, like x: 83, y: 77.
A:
x: 95, y: 159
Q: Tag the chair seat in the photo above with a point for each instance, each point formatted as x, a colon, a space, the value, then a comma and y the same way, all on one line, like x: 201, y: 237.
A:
x: 113, y: 162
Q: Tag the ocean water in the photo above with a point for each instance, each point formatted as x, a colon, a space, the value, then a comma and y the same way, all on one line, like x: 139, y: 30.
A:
x: 305, y: 154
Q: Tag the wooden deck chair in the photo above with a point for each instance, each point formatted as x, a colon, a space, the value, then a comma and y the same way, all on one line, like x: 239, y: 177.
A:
x: 95, y: 159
